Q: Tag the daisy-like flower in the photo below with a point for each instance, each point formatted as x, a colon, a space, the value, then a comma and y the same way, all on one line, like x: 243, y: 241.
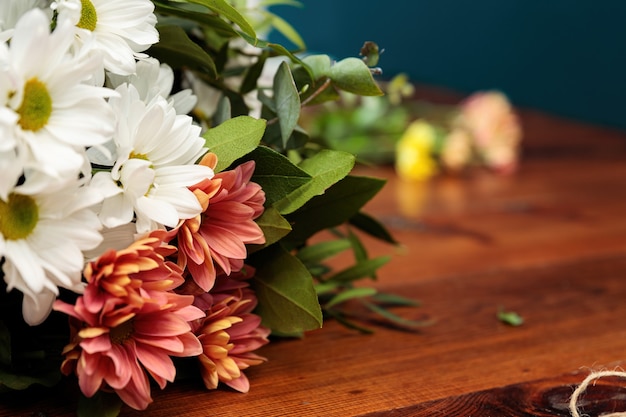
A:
x: 217, y: 237
x: 118, y: 30
x: 129, y: 323
x: 153, y: 78
x: 57, y: 116
x: 42, y: 236
x: 229, y: 333
x: 153, y: 158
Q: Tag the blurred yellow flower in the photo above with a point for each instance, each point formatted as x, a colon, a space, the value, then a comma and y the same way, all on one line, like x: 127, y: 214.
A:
x: 414, y: 159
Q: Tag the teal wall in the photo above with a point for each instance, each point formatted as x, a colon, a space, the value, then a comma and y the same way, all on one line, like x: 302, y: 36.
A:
x: 564, y: 56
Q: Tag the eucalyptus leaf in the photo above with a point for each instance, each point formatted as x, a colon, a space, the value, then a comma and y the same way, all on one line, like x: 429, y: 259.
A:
x: 288, y: 302
x: 338, y: 204
x: 287, y: 100
x: 319, y: 65
x: 233, y: 139
x: 275, y: 173
x: 362, y: 269
x: 176, y: 49
x: 223, y: 111
x: 326, y: 168
x: 353, y: 75
x: 350, y: 294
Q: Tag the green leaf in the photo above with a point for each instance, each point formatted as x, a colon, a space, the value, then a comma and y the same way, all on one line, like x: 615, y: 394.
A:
x: 322, y: 288
x: 353, y: 75
x: 223, y: 111
x: 511, y: 318
x: 338, y: 204
x: 350, y: 294
x: 372, y: 227
x: 233, y: 139
x: 319, y: 252
x: 102, y: 404
x: 394, y: 318
x: 341, y: 318
x: 288, y: 302
x: 362, y: 269
x: 276, y: 174
x: 318, y: 64
x: 287, y: 101
x: 358, y: 248
x: 395, y: 300
x: 224, y: 9
x: 19, y: 382
x: 176, y: 49
x: 274, y: 226
x: 288, y: 31
x: 326, y: 168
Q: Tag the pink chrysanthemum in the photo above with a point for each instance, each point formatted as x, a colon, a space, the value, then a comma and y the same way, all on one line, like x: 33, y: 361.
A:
x: 217, y: 237
x: 129, y: 322
x: 230, y: 332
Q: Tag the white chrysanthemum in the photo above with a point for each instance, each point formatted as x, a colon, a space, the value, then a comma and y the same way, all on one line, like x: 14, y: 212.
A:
x: 118, y: 29
x: 41, y: 83
x: 42, y: 237
x: 153, y: 78
x: 154, y: 157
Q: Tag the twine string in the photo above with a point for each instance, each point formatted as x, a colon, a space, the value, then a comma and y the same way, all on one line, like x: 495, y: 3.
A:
x: 583, y: 386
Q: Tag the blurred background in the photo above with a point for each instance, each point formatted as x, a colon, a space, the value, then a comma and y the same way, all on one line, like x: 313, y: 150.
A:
x: 562, y: 56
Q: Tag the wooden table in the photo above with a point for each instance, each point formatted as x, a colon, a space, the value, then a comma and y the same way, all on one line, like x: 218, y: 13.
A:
x: 548, y: 243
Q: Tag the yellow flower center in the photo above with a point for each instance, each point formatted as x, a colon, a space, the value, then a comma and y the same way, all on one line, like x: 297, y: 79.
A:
x: 121, y: 333
x: 36, y: 105
x: 88, y: 16
x: 18, y: 216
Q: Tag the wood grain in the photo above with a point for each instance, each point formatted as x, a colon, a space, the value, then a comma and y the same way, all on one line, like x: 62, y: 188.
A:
x: 548, y: 243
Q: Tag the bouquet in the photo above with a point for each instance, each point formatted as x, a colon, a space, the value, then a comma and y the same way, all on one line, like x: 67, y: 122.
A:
x: 158, y: 195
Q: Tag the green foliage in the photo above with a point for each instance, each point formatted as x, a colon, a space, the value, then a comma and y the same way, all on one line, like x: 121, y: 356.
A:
x: 338, y: 204
x: 234, y: 139
x: 176, y: 47
x: 287, y: 300
x: 510, y: 317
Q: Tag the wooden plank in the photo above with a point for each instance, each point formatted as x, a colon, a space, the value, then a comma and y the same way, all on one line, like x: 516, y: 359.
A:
x: 573, y: 319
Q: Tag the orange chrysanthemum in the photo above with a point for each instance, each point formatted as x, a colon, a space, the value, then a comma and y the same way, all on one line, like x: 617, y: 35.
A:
x: 129, y: 322
x: 230, y: 332
x: 215, y: 240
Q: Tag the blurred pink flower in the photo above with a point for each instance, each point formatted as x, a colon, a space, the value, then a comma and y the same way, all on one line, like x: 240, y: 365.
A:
x: 490, y: 120
x: 230, y: 332
x: 217, y: 237
x: 129, y: 322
